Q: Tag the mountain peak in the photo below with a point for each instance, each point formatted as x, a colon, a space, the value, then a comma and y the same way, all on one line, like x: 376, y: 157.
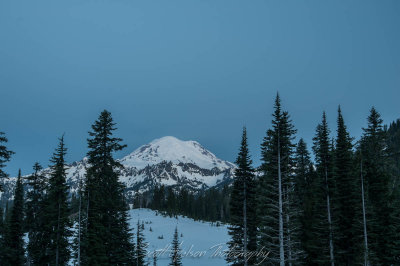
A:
x: 167, y: 139
x: 172, y: 149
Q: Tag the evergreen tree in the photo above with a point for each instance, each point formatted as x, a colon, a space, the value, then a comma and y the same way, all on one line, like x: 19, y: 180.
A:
x: 176, y: 259
x: 393, y: 143
x: 347, y: 198
x: 107, y: 237
x: 305, y: 191
x: 35, y: 214
x: 275, y: 191
x: 140, y: 249
x: 243, y: 227
x: 5, y: 156
x: 323, y: 149
x: 291, y: 204
x: 57, y: 222
x: 381, y: 210
x: 13, y: 242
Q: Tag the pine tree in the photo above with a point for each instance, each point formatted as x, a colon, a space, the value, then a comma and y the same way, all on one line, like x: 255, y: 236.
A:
x: 107, y: 238
x: 243, y: 227
x: 176, y: 259
x: 57, y: 222
x: 13, y: 242
x: 393, y: 143
x: 292, y: 208
x: 140, y: 248
x: 35, y: 214
x: 381, y: 210
x: 276, y: 189
x: 305, y: 192
x: 347, y: 198
x: 324, y: 243
x: 5, y: 156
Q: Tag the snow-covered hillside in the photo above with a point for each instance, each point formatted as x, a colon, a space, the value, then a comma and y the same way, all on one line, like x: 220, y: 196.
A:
x: 166, y: 161
x: 201, y: 243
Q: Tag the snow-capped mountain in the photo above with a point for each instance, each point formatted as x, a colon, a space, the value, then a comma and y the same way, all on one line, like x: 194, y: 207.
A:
x: 166, y: 161
x: 173, y: 150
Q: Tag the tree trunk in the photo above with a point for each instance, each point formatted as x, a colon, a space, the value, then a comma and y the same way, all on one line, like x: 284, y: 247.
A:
x: 328, y: 205
x: 58, y: 235
x: 79, y: 228
x: 281, y: 247
x: 366, y: 260
x: 245, y: 222
x: 288, y: 232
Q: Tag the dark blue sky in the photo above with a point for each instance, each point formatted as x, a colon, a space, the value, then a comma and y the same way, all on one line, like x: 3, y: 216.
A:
x: 192, y: 69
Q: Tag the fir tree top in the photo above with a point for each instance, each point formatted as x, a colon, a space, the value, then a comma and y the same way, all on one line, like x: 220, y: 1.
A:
x: 243, y: 160
x: 277, y: 109
x: 343, y: 140
x: 374, y: 130
x: 282, y: 132
x: 102, y: 144
x: 303, y: 156
x: 38, y: 183
x: 374, y: 122
x: 58, y: 159
x: 19, y: 192
x: 322, y: 144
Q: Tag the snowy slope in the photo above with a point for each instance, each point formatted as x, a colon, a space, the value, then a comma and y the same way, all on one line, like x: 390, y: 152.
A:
x: 169, y: 161
x: 200, y: 242
x: 173, y: 150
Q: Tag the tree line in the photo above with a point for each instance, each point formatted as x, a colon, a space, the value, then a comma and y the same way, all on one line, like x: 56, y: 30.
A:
x: 342, y: 208
x: 207, y: 205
